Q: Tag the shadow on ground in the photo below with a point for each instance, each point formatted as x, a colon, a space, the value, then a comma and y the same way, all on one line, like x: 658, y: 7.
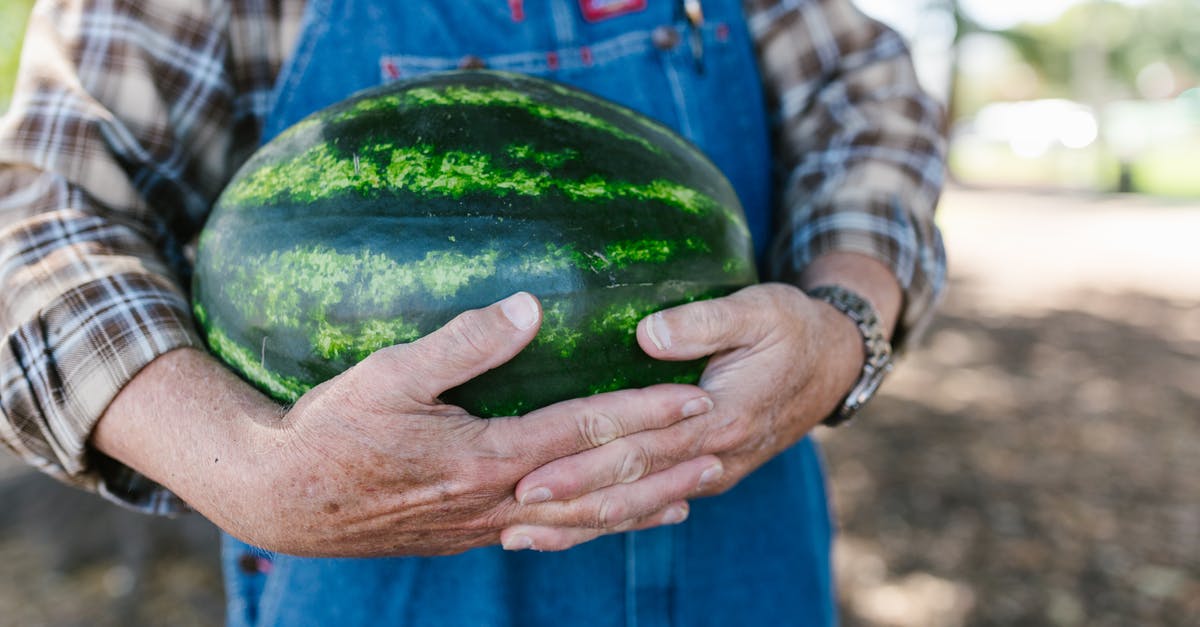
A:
x: 1029, y: 469
x: 70, y: 559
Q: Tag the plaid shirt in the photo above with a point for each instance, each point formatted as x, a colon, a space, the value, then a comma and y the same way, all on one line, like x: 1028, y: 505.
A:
x: 130, y: 116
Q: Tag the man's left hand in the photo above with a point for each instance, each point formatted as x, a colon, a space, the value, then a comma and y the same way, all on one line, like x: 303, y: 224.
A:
x: 781, y: 362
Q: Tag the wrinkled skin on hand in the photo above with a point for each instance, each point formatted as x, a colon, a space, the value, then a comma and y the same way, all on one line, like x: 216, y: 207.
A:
x: 371, y: 463
x: 781, y: 363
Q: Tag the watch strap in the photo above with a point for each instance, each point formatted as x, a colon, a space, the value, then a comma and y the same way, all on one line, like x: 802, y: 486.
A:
x: 878, y: 349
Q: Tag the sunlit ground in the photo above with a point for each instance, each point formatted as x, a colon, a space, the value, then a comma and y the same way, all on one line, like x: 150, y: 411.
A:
x: 1035, y: 462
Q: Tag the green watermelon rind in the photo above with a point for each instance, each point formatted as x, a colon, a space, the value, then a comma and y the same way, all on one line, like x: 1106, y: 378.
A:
x: 375, y: 221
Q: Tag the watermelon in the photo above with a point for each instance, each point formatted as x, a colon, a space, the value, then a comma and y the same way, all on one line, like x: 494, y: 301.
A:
x: 375, y: 221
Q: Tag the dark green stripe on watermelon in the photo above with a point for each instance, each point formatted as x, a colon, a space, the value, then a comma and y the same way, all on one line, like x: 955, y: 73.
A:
x: 376, y: 221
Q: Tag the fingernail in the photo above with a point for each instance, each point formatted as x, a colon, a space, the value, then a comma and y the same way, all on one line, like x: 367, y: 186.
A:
x: 675, y: 515
x: 697, y: 406
x: 536, y: 495
x: 520, y: 310
x: 710, y: 476
x: 518, y: 543
x: 658, y: 332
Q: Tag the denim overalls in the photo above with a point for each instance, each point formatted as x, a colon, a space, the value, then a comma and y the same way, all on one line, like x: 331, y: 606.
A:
x: 757, y: 555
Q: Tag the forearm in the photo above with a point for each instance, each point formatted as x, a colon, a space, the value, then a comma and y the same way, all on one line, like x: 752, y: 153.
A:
x: 188, y: 423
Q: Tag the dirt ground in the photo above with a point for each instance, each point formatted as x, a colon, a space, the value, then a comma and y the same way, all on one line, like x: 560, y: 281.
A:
x: 1035, y: 461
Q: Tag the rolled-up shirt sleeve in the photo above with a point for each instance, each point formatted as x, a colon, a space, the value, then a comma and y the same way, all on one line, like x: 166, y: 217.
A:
x: 859, y: 145
x: 127, y: 120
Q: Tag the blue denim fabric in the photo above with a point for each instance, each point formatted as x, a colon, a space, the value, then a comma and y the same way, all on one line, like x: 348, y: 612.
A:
x: 757, y: 555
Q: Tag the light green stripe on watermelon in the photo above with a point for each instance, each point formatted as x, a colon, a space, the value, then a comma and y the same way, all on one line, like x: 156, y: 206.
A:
x: 618, y: 255
x: 621, y: 319
x: 320, y: 172
x: 622, y: 254
x: 358, y: 341
x: 360, y: 280
x: 309, y: 122
x: 287, y: 288
x: 735, y: 265
x: 490, y: 97
x: 245, y: 361
x: 546, y: 159
x: 557, y: 259
x: 311, y: 175
x: 627, y: 113
x: 555, y: 333
x: 200, y: 313
x: 300, y: 287
x: 387, y: 102
x: 456, y: 173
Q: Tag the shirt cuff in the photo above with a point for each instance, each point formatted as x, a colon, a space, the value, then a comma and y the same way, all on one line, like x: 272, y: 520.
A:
x: 63, y: 368
x: 885, y: 231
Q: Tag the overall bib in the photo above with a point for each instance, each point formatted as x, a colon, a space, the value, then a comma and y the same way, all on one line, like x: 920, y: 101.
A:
x: 757, y: 555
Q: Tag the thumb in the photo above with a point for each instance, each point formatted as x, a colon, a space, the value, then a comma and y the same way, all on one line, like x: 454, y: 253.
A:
x: 472, y: 343
x: 702, y: 328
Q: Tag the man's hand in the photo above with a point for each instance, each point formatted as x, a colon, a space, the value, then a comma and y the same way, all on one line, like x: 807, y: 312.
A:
x: 781, y: 362
x: 371, y: 463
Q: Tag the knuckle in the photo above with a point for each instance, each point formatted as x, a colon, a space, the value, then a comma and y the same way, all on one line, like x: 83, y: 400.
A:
x: 712, y: 320
x: 728, y: 435
x: 724, y: 441
x: 691, y: 446
x: 471, y: 334
x: 633, y: 465
x: 599, y: 428
x: 738, y: 431
x: 609, y: 512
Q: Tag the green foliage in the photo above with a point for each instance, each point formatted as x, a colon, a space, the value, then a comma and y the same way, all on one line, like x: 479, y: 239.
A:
x: 1128, y: 37
x: 1168, y: 171
x: 13, y: 15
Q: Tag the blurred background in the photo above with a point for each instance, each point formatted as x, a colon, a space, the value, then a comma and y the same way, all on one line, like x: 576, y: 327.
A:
x: 1035, y: 460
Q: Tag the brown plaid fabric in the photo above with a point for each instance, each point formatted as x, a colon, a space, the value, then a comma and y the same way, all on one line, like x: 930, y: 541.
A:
x: 130, y: 115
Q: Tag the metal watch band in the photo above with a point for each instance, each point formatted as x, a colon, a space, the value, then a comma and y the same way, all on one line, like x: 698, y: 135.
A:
x: 878, y: 348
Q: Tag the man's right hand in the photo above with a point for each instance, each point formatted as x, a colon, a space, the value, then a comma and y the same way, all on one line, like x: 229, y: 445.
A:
x: 370, y: 463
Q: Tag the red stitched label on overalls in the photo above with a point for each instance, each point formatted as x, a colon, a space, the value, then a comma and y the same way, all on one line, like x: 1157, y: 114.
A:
x: 389, y: 69
x: 517, y: 9
x: 596, y: 10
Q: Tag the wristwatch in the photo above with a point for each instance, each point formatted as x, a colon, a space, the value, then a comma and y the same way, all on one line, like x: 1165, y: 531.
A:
x: 878, y: 348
